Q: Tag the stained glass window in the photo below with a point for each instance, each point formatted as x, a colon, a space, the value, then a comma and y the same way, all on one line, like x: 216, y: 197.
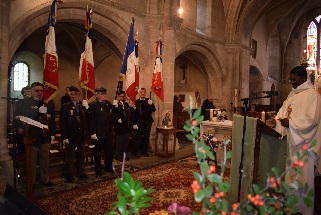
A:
x: 312, y: 44
x: 20, y: 76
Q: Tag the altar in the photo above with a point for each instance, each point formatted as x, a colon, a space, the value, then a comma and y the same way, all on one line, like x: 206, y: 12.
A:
x: 218, y: 129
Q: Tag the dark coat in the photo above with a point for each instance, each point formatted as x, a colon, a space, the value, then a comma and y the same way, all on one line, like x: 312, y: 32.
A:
x: 30, y: 108
x: 143, y: 112
x: 100, y: 118
x: 126, y: 114
x: 72, y: 123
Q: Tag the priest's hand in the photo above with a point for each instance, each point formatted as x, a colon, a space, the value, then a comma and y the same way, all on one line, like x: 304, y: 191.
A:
x: 271, y: 123
x: 119, y: 121
x: 115, y: 103
x: 150, y: 102
x: 284, y: 122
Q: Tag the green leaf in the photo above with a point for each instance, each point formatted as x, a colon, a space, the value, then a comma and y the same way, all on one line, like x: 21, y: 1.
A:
x: 229, y: 155
x: 197, y: 113
x: 276, y: 171
x: 198, y: 177
x: 256, y: 188
x: 313, y: 143
x: 311, y: 193
x: 208, y: 190
x: 279, y: 213
x: 271, y: 210
x: 224, y: 186
x: 307, y: 201
x: 189, y: 137
x: 215, y: 178
x: 122, y: 186
x: 199, y: 195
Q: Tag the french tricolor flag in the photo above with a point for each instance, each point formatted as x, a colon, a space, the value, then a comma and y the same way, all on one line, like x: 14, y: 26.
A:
x: 130, y: 67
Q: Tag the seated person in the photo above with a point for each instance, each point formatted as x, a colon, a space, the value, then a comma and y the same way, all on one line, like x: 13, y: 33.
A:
x: 177, y: 105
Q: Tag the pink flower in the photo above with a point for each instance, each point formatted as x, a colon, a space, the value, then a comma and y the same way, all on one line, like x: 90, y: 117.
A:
x: 179, y: 210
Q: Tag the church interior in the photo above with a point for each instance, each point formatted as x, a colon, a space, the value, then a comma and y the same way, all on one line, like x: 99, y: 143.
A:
x: 229, y: 50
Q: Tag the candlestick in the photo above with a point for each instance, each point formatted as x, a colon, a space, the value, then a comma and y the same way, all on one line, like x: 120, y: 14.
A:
x: 263, y: 116
x: 235, y: 98
x: 211, y: 115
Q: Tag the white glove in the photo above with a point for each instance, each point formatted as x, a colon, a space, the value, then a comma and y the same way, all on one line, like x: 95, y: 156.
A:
x: 94, y: 137
x: 135, y: 127
x: 120, y: 121
x: 66, y: 141
x: 43, y: 109
x: 52, y: 138
x: 85, y: 104
x: 150, y: 102
x: 115, y: 103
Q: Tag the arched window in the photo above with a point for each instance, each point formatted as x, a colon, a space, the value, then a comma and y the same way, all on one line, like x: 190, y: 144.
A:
x: 20, y: 76
x: 313, y: 44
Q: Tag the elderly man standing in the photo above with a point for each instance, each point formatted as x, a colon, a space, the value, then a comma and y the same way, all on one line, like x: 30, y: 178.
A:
x: 33, y: 108
x: 207, y: 104
x: 73, y: 134
x: 100, y: 129
x: 299, y: 119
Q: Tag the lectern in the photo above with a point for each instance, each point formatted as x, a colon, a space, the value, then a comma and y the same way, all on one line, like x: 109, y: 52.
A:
x: 263, y: 149
x: 28, y: 142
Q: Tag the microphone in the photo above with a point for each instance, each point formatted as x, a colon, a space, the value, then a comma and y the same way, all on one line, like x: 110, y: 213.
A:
x: 271, y: 93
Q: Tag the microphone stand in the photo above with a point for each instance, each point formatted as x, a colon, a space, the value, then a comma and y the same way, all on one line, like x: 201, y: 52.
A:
x: 245, y: 105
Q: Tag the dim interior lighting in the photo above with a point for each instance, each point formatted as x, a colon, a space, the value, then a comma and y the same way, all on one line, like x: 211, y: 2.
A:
x: 180, y: 11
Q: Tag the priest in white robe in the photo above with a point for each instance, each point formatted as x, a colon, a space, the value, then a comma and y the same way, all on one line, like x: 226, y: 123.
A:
x: 299, y: 119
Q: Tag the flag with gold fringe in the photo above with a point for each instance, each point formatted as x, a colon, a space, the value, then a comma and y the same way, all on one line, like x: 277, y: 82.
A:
x: 86, y: 68
x: 157, y: 82
x: 50, y: 71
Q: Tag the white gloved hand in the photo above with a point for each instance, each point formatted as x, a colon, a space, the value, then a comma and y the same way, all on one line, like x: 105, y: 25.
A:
x: 115, y: 103
x: 43, y: 109
x: 120, y: 121
x: 85, y: 104
x: 135, y: 127
x: 94, y: 137
x: 66, y: 141
x: 150, y: 102
x: 52, y: 138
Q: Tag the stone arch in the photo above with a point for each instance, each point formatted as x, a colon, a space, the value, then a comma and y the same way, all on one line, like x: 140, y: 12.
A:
x: 209, y: 64
x: 107, y: 22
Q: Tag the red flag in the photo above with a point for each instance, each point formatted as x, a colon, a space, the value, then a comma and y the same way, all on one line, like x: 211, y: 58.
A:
x: 130, y: 67
x: 50, y: 72
x: 157, y: 82
x: 86, y: 68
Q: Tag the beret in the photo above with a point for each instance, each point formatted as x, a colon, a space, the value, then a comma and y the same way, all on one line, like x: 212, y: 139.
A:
x: 73, y: 88
x: 101, y: 90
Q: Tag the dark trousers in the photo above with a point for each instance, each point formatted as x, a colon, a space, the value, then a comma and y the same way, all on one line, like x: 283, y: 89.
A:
x: 143, y: 129
x: 121, y: 144
x: 106, y: 144
x: 80, y: 158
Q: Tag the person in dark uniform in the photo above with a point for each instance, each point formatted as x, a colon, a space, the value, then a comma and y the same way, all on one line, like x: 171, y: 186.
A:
x: 73, y: 134
x: 65, y: 98
x: 34, y: 108
x: 100, y: 129
x: 144, y: 119
x: 122, y: 121
x: 21, y: 148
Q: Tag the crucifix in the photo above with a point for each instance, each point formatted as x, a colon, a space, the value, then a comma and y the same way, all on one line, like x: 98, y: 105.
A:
x: 184, y: 67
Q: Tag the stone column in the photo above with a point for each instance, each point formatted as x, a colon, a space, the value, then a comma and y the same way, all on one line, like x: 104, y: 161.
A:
x: 5, y: 159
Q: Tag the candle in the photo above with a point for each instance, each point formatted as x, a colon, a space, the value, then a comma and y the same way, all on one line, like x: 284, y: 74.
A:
x: 211, y: 115
x: 235, y: 98
x: 263, y: 116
